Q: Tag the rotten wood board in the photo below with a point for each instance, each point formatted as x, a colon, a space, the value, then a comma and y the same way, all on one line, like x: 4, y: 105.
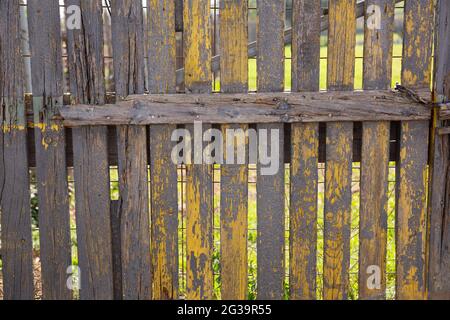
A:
x: 257, y: 108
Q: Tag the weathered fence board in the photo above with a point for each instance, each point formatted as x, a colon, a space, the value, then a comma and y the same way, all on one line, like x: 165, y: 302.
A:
x: 377, y: 62
x: 199, y: 178
x: 305, y: 154
x: 439, y: 228
x: 162, y: 49
x: 16, y: 241
x: 412, y: 167
x: 254, y: 108
x: 338, y: 165
x: 128, y: 53
x: 234, y: 177
x: 91, y: 171
x: 51, y: 169
x: 270, y: 188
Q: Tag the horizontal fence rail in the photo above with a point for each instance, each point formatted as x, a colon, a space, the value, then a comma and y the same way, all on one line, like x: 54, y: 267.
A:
x: 162, y: 189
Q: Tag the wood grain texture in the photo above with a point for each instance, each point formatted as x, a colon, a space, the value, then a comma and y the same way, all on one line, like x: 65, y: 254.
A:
x: 234, y: 177
x: 375, y: 152
x: 199, y: 194
x: 270, y: 188
x: 377, y: 62
x: 254, y: 108
x: 439, y: 229
x: 373, y: 208
x: 341, y: 44
x: 51, y: 170
x: 16, y: 238
x: 338, y: 165
x: 197, y: 46
x: 411, y: 206
x: 304, y: 154
x: 164, y: 213
x: 306, y: 30
x: 91, y: 170
x: 411, y: 211
x: 303, y: 210
x: 133, y: 208
x: 163, y: 172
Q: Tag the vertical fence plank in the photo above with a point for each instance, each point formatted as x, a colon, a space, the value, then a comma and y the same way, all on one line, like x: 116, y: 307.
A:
x: 162, y: 72
x: 304, y: 153
x: 51, y: 171
x: 339, y: 141
x: 14, y: 177
x: 234, y: 177
x: 439, y: 223
x: 128, y: 53
x: 303, y: 212
x: 412, y: 166
x: 378, y: 40
x: 270, y: 188
x: 91, y: 171
x: 199, y: 177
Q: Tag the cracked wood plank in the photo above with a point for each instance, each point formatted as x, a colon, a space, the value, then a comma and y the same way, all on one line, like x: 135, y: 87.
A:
x: 91, y: 169
x: 51, y: 169
x: 270, y: 188
x: 305, y: 154
x: 234, y: 177
x: 17, y: 259
x: 411, y: 223
x: 375, y: 154
x: 338, y: 165
x: 163, y: 172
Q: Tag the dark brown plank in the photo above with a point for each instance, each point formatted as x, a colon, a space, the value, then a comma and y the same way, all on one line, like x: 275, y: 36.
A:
x: 163, y: 172
x: 128, y: 56
x: 51, y: 171
x: 270, y: 188
x: 305, y: 153
x: 16, y: 239
x: 339, y: 141
x: 439, y: 236
x: 375, y: 152
x: 91, y: 170
x: 411, y: 224
x: 199, y: 207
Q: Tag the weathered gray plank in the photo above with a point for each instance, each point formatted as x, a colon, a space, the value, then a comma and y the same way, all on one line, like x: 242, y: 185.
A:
x: 51, y: 170
x: 270, y: 188
x: 306, y: 45
x: 91, y: 169
x: 128, y: 56
x: 439, y: 253
x: 17, y: 257
x: 411, y: 223
x: 304, y: 153
x: 339, y: 141
x: 163, y: 14
x: 258, y: 108
x: 375, y: 154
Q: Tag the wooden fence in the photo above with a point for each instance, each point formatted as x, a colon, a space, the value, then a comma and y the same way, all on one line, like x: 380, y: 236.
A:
x: 130, y: 248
